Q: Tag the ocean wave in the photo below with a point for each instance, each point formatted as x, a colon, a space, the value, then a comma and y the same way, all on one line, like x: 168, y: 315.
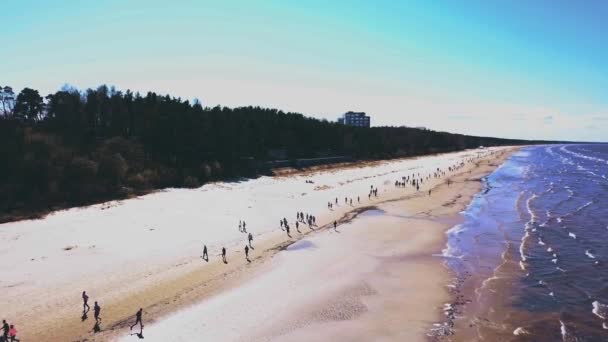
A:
x: 522, y: 246
x: 533, y: 216
x: 599, y: 309
x: 582, y: 156
x: 519, y: 331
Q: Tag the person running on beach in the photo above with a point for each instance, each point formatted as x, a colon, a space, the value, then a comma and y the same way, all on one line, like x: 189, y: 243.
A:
x: 138, y: 319
x: 97, y: 310
x: 205, y: 255
x: 5, y: 330
x: 12, y: 332
x: 250, y: 238
x: 246, y: 252
x: 224, y: 255
x: 85, y: 300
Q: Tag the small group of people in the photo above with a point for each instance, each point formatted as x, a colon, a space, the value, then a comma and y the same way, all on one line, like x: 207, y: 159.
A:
x: 372, y: 192
x: 9, y: 332
x: 242, y: 226
x: 86, y: 308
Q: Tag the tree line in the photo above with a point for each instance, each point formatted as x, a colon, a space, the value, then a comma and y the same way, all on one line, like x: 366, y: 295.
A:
x: 77, y: 147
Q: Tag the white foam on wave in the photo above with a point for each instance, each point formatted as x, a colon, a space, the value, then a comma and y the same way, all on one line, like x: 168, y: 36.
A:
x: 522, y: 246
x: 554, y: 261
x: 599, y: 309
x: 559, y: 220
x: 563, y: 329
x: 583, y: 206
x: 587, y: 253
x: 572, y: 235
x: 522, y: 266
x: 519, y: 331
x: 533, y: 216
x: 582, y: 156
x: 560, y: 269
x: 541, y: 242
x: 549, y: 249
x: 551, y: 294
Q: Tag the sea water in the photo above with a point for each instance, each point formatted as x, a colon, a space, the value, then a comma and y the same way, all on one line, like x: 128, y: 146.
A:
x: 531, y: 256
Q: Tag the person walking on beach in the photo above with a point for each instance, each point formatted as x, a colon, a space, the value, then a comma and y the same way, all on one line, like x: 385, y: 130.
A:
x: 205, y: 255
x: 247, y: 253
x: 85, y: 300
x: 240, y: 226
x: 282, y: 225
x: 224, y: 255
x: 138, y: 319
x: 335, y: 225
x: 5, y: 330
x: 287, y: 229
x: 12, y: 332
x: 429, y: 192
x: 250, y: 238
x: 96, y: 311
x: 298, y: 226
x: 244, y: 227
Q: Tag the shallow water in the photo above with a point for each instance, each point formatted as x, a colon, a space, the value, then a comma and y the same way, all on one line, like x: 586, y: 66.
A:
x: 532, y: 248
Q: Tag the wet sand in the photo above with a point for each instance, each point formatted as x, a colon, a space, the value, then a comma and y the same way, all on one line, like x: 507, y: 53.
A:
x: 406, y: 258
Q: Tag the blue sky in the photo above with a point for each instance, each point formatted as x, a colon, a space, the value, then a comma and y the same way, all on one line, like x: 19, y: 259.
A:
x: 523, y: 69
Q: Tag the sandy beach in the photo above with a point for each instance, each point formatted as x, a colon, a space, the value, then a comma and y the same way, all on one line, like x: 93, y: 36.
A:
x: 380, y: 276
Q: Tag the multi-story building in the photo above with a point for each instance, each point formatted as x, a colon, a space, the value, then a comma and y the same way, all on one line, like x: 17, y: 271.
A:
x: 358, y: 119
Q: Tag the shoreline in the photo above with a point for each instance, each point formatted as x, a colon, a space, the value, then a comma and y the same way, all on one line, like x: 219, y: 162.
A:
x: 186, y: 283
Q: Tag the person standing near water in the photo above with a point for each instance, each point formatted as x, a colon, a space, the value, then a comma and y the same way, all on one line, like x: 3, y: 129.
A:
x: 96, y: 311
x: 205, y: 255
x: 85, y: 300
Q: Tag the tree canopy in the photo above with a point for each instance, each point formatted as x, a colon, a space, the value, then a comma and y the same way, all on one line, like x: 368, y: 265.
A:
x: 80, y: 147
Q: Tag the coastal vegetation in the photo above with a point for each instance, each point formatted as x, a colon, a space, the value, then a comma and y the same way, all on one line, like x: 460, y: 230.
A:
x: 80, y: 147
